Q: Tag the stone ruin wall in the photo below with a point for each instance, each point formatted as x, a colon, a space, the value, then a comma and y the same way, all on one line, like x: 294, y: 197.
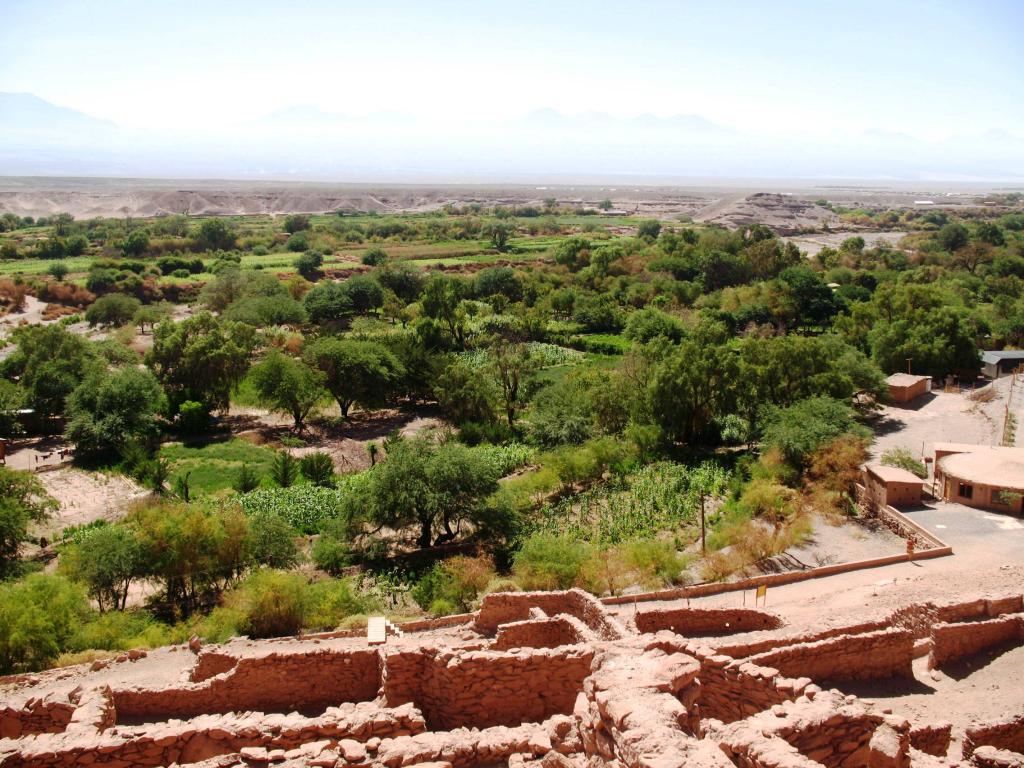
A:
x: 951, y: 642
x: 701, y: 622
x: 506, y: 607
x: 873, y: 655
x: 485, y: 688
x: 554, y: 679
x: 541, y: 633
x: 1004, y: 735
x: 271, y: 683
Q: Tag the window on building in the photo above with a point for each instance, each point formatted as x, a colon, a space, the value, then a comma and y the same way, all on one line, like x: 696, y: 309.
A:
x: 965, y: 491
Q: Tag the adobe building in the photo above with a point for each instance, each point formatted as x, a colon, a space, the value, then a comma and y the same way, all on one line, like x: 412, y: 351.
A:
x: 892, y: 485
x: 905, y: 387
x: 982, y: 476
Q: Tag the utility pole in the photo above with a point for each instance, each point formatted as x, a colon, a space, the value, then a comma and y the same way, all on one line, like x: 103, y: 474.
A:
x: 908, y: 364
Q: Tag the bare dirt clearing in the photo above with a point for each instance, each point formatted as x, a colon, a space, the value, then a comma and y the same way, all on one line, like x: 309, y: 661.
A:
x: 87, y: 496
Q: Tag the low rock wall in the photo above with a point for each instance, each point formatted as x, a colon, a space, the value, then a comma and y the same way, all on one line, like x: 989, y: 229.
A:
x: 951, y: 642
x: 48, y: 715
x: 886, y: 653
x: 734, y: 689
x: 505, y: 607
x: 301, y: 682
x: 540, y: 633
x: 487, y: 688
x: 1003, y: 734
x: 702, y: 622
x: 208, y: 736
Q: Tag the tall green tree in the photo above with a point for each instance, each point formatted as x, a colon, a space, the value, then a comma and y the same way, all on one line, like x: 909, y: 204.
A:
x: 691, y: 388
x: 49, y: 362
x: 23, y: 500
x: 361, y: 373
x: 201, y: 358
x: 110, y: 409
x: 288, y: 386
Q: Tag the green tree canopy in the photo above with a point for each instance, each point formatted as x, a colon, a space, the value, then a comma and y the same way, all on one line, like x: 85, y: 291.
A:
x: 362, y: 373
x: 112, y: 408
x: 201, y: 359
x: 288, y: 386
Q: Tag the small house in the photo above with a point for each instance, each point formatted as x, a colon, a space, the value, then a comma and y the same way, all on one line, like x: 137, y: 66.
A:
x: 1001, y: 363
x: 905, y: 387
x: 892, y: 486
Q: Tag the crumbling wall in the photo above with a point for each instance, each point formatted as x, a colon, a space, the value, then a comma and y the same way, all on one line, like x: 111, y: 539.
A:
x: 211, y: 663
x: 1001, y: 734
x: 487, y: 688
x: 208, y: 736
x: 505, y: 607
x: 956, y: 641
x: 637, y: 709
x: 826, y: 728
x: 275, y: 682
x: 932, y: 738
x: 701, y: 622
x: 540, y: 633
x: 732, y: 689
x: 873, y: 655
x: 46, y: 715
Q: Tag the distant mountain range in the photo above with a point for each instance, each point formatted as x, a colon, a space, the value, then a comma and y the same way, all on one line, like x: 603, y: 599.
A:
x: 307, y: 142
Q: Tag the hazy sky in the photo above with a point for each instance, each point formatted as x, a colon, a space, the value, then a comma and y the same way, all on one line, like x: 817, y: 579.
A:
x: 931, y: 69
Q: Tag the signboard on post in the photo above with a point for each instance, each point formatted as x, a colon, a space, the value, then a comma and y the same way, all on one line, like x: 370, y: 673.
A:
x: 762, y: 594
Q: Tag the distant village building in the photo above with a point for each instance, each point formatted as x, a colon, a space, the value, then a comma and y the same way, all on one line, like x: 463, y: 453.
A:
x: 988, y: 477
x: 1002, y: 363
x: 905, y: 387
x: 892, y: 485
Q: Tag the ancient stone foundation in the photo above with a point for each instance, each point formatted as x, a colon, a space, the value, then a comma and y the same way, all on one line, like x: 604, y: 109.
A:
x: 545, y: 680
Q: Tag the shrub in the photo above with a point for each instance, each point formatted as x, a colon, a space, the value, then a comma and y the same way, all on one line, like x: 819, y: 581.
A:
x: 549, y: 562
x: 318, y: 468
x: 308, y: 264
x: 375, y: 257
x: 247, y: 480
x: 271, y: 603
x: 284, y: 470
x: 59, y: 270
x: 115, y: 310
x: 38, y: 616
x: 296, y: 222
x: 457, y: 582
x: 193, y: 417
x: 904, y: 459
x: 298, y: 242
x: 332, y: 601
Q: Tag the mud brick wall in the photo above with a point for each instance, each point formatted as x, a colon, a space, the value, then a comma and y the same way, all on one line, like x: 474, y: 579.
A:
x: 873, y: 655
x: 209, y: 736
x: 272, y: 683
x: 956, y: 641
x: 49, y: 715
x: 538, y: 633
x: 505, y: 607
x: 1003, y: 734
x: 701, y: 622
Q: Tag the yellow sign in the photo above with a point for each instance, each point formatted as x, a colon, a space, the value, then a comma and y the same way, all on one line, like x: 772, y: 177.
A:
x: 762, y: 592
